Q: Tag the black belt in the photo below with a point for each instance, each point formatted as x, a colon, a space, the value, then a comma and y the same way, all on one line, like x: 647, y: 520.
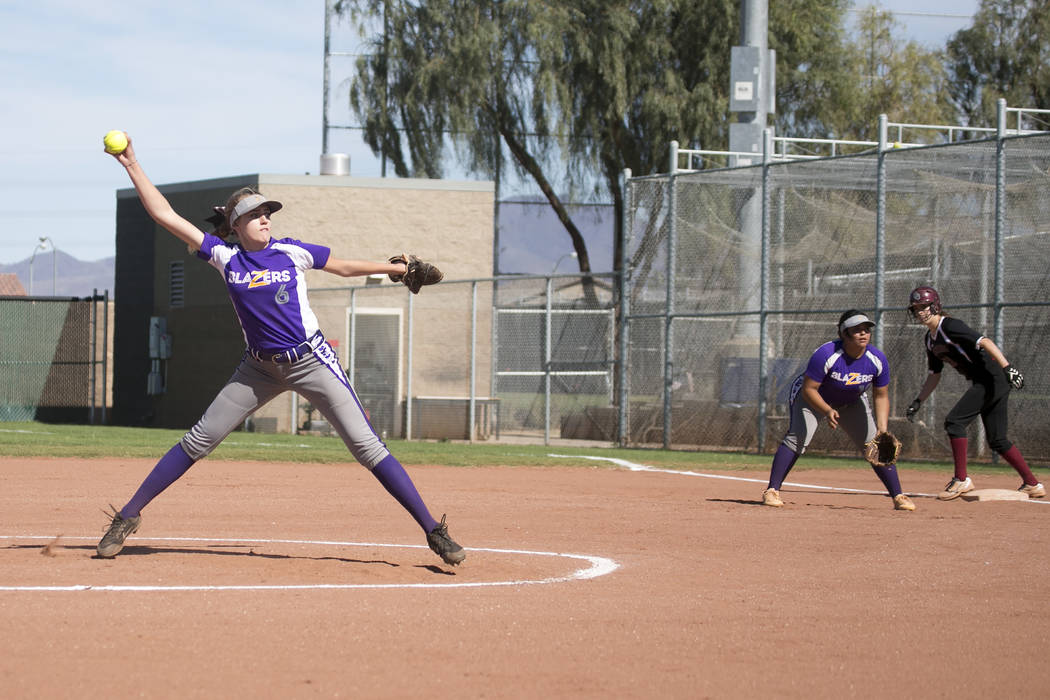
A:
x: 289, y: 354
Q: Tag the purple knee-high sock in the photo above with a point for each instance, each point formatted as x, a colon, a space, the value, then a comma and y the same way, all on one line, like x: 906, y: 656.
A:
x: 170, y: 467
x: 888, y: 477
x: 396, y: 481
x: 783, y: 460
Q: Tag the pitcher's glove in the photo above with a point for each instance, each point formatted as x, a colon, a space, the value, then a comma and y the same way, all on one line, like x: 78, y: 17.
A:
x: 882, y: 450
x: 418, y: 273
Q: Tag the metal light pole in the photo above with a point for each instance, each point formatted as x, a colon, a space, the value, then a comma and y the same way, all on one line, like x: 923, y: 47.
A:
x: 41, y: 247
x: 54, y: 262
x: 567, y: 255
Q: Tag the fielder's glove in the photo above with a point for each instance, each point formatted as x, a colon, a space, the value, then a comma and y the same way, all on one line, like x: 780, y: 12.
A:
x: 882, y: 450
x: 1014, y: 376
x: 913, y: 408
x: 418, y: 273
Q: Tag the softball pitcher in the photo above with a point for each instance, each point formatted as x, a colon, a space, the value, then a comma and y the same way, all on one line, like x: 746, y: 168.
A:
x: 976, y: 357
x: 286, y: 351
x: 834, y: 386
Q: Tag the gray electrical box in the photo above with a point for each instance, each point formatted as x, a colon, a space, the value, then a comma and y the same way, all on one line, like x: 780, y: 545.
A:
x: 155, y: 383
x: 750, y: 80
x: 159, y: 351
x: 744, y: 76
x: 745, y: 137
x: 159, y: 340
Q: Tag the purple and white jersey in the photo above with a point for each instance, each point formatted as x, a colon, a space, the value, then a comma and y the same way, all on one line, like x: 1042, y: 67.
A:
x: 268, y: 288
x: 842, y: 378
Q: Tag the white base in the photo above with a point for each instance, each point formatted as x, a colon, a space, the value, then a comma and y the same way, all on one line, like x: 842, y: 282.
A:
x: 995, y: 495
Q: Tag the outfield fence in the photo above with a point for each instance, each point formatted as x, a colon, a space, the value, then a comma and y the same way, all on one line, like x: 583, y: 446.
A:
x: 734, y: 276
x: 54, y: 358
x: 731, y: 278
x: 510, y: 356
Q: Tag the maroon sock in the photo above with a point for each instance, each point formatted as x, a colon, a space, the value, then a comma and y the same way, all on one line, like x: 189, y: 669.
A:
x: 1013, y: 456
x: 959, y: 455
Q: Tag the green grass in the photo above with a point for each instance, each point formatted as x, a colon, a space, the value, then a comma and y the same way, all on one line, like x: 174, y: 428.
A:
x: 53, y: 440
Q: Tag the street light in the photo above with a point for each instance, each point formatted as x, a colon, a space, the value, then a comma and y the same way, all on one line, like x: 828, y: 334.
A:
x: 567, y: 255
x: 40, y: 247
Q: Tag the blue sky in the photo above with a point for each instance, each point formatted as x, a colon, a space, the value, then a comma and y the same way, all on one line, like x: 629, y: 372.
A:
x: 205, y: 89
x: 929, y: 22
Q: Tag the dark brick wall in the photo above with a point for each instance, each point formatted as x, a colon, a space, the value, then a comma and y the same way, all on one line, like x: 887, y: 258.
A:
x: 133, y: 299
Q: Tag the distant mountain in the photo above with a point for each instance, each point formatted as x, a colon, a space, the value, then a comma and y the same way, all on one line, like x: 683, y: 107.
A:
x: 72, y: 277
x: 532, y: 241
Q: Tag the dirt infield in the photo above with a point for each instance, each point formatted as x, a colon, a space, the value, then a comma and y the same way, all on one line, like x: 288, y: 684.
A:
x: 264, y: 581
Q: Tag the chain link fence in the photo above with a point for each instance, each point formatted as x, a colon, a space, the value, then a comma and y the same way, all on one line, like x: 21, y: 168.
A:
x: 735, y: 276
x: 53, y: 359
x: 503, y: 357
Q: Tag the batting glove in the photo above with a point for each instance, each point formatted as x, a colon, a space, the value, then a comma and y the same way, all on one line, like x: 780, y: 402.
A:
x: 913, y: 408
x: 1014, y: 376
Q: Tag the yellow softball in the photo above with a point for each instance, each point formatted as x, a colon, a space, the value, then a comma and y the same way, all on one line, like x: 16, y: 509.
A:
x: 115, y: 141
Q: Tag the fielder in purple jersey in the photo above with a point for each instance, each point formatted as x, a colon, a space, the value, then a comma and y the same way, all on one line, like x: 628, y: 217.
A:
x: 285, y: 351
x: 976, y: 357
x: 834, y: 386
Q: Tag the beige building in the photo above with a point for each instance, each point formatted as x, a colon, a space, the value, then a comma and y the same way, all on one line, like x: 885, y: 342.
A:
x: 177, y: 339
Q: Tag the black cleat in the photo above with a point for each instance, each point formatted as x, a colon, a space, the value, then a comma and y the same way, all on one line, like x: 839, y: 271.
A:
x: 119, y: 529
x: 444, y: 546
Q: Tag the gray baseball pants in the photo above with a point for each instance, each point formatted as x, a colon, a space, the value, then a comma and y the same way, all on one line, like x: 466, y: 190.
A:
x: 855, y: 419
x: 318, y: 378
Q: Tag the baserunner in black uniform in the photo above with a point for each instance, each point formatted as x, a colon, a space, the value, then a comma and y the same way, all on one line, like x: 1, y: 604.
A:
x: 976, y: 357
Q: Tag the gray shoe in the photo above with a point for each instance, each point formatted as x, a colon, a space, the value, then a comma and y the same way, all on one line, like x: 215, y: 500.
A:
x: 119, y: 529
x: 444, y: 546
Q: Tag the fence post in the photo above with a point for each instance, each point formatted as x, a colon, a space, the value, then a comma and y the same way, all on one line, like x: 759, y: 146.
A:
x: 880, y: 229
x: 494, y: 347
x: 471, y: 432
x: 625, y: 306
x: 763, y: 301
x: 408, y: 372
x: 672, y: 251
x: 105, y: 351
x: 547, y: 365
x: 351, y: 352
x: 1000, y: 215
x: 93, y: 323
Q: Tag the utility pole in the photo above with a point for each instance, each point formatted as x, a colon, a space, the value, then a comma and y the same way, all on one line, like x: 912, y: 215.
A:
x: 751, y: 71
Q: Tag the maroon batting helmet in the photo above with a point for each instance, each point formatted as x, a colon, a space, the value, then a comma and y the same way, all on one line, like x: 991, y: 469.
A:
x: 921, y: 297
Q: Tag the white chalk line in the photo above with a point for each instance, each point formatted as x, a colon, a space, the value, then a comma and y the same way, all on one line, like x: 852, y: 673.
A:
x: 645, y: 468
x: 598, y: 566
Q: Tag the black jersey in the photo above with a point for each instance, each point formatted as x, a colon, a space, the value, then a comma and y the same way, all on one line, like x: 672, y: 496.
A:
x: 955, y: 343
